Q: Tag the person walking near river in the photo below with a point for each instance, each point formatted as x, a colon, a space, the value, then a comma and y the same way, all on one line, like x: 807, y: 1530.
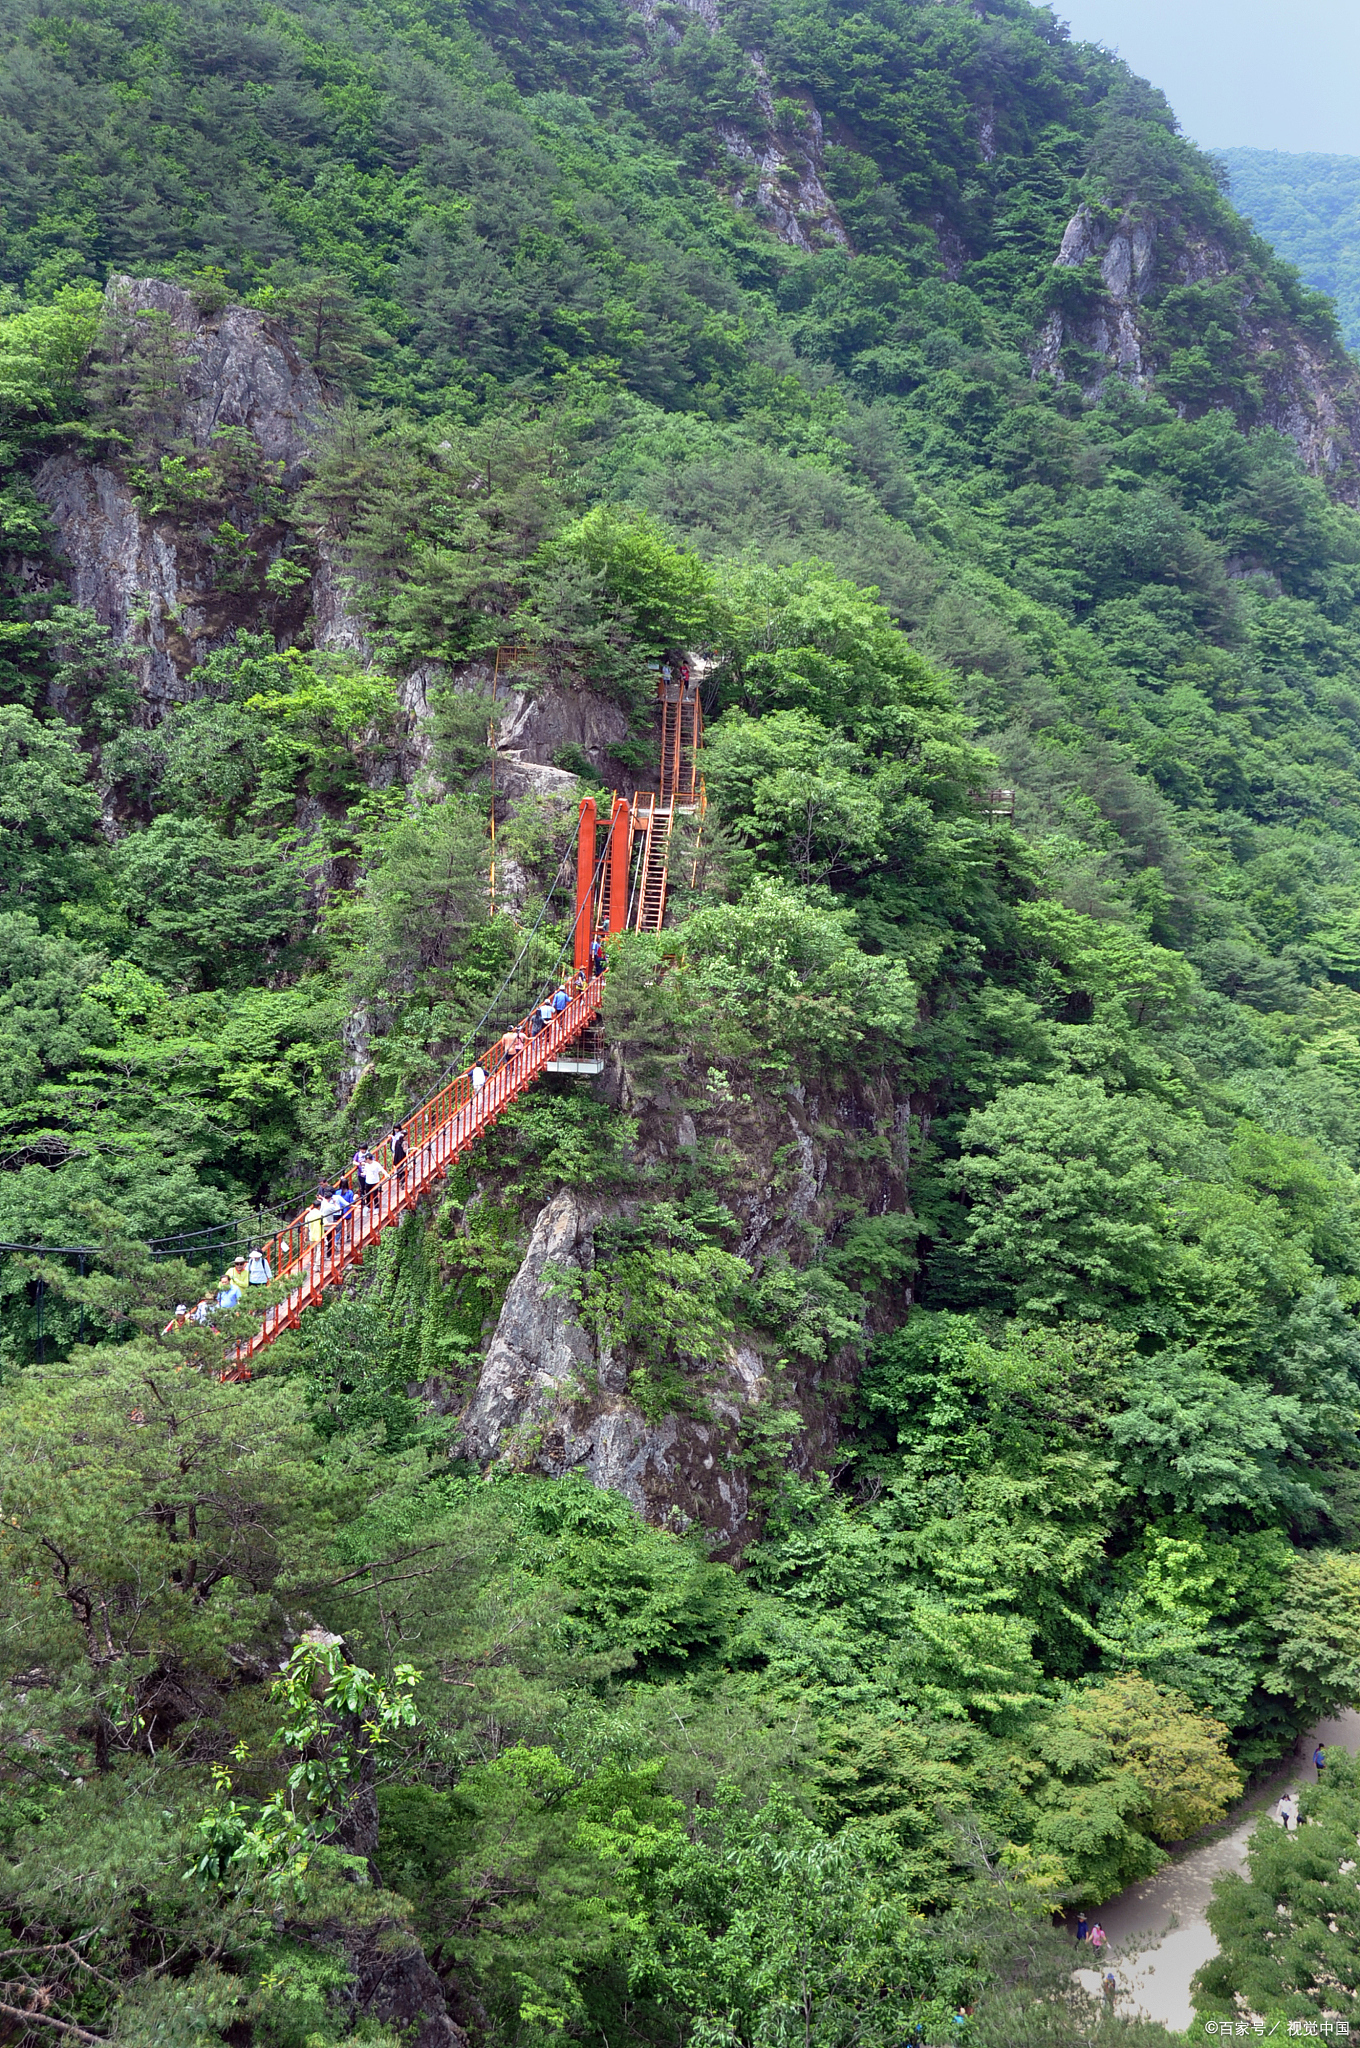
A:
x: 1081, y: 1925
x: 1098, y: 1939
x: 1320, y: 1761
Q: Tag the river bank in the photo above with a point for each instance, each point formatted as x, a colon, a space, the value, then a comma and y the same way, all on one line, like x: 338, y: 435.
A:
x: 1159, y: 1933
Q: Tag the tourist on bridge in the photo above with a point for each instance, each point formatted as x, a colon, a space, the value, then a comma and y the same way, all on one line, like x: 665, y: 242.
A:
x: 332, y: 1209
x: 232, y: 1282
x: 372, y: 1176
x: 561, y: 999
x: 345, y: 1196
x: 259, y: 1273
x: 313, y: 1221
x: 478, y: 1079
x: 598, y: 962
x: 397, y: 1144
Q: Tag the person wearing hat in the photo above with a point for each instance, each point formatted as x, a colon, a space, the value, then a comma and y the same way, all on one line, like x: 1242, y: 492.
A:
x: 230, y: 1285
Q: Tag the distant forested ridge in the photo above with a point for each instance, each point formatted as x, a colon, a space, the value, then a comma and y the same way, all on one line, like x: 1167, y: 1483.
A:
x: 1308, y: 208
x: 880, y: 1461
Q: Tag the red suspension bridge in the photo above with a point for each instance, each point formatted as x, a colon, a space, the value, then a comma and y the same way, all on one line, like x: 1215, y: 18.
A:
x: 620, y: 885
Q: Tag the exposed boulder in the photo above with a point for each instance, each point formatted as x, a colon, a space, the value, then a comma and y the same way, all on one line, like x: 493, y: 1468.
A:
x: 240, y: 369
x: 540, y: 1355
x: 548, y: 1401
x: 789, y: 191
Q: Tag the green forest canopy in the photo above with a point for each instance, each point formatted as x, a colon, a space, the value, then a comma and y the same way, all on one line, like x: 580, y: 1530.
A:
x: 1086, y: 1552
x: 1308, y: 208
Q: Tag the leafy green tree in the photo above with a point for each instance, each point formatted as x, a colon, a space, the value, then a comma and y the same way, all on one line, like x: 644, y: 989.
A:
x: 665, y: 593
x: 42, y: 352
x: 772, y: 983
x: 1318, y: 1620
x: 1141, y: 1752
x: 1067, y: 1189
x: 93, y: 682
x: 759, y: 1922
x: 52, y: 854
x: 1209, y: 1443
x: 204, y: 910
x: 148, y: 1534
x: 804, y: 797
x: 332, y: 327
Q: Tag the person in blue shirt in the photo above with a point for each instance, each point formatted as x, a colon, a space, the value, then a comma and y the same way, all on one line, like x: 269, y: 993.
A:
x: 560, y: 1000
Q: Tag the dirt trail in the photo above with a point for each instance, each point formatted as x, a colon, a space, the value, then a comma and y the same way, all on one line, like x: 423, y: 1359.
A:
x: 1158, y: 1933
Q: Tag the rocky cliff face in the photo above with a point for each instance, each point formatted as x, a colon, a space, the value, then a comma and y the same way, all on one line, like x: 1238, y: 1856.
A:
x: 780, y: 172
x: 152, y: 578
x: 785, y: 171
x: 1307, y: 390
x: 548, y: 1400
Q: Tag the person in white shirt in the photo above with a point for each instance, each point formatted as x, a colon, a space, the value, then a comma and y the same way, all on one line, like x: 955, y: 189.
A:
x: 372, y: 1175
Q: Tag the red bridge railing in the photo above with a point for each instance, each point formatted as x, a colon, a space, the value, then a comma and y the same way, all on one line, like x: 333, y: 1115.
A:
x: 313, y: 1254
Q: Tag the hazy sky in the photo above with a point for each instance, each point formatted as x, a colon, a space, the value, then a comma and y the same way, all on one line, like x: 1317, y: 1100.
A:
x: 1265, y: 74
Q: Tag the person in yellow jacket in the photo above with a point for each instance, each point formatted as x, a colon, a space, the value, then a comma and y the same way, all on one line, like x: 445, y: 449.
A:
x: 230, y: 1286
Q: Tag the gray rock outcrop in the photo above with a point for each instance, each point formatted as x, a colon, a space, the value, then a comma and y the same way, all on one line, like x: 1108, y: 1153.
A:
x: 789, y: 191
x: 394, y: 1985
x: 1308, y: 392
x: 150, y: 580
x: 241, y: 369
x: 548, y: 1401
x: 1125, y: 267
x: 540, y: 1355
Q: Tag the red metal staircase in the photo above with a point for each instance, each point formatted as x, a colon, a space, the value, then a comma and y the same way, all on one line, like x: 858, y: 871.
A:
x: 653, y: 824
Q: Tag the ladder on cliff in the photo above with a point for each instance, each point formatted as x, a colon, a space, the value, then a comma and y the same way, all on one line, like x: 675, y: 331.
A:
x: 652, y: 825
x: 681, y: 736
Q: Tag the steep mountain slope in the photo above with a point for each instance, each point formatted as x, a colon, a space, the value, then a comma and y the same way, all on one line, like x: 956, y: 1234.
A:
x: 1306, y: 207
x: 881, y: 1459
